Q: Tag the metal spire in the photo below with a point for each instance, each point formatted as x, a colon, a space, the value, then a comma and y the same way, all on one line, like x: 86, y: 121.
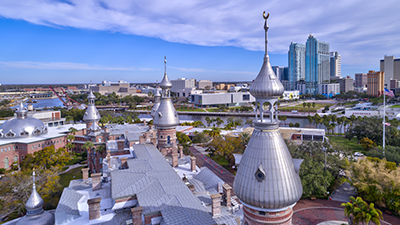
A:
x: 165, y: 64
x: 266, y: 27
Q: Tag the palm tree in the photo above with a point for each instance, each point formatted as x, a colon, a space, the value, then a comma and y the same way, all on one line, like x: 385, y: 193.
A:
x: 88, y: 145
x: 308, y: 105
x: 73, y: 130
x: 304, y: 106
x: 358, y: 211
x: 313, y: 105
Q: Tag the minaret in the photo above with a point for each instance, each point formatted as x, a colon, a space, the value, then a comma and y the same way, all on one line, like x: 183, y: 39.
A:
x: 166, y: 118
x: 91, y: 115
x: 34, y: 207
x: 157, y: 100
x: 266, y: 182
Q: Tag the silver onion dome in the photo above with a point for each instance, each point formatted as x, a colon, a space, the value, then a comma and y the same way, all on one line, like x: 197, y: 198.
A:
x: 266, y: 85
x: 165, y: 83
x: 91, y: 113
x: 35, y: 214
x: 22, y: 126
x: 266, y: 179
x: 157, y: 99
x: 166, y: 115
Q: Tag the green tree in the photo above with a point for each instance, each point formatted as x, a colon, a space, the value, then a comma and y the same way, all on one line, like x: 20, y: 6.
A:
x: 296, y: 124
x: 73, y: 130
x: 358, y: 211
x: 367, y: 143
x: 313, y: 105
x: 46, y: 158
x: 304, y: 106
x: 291, y: 124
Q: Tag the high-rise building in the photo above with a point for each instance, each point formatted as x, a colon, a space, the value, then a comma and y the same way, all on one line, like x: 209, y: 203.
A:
x: 182, y: 83
x: 375, y: 83
x: 361, y: 80
x: 317, y: 64
x: 391, y: 68
x: 281, y: 72
x: 297, y: 66
x: 267, y: 182
x: 336, y: 64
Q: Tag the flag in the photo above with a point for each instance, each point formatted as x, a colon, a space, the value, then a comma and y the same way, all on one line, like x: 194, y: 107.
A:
x: 386, y: 123
x: 389, y: 92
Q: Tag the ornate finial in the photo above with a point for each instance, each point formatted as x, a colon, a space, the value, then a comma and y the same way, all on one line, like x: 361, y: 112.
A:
x: 33, y: 176
x: 265, y: 17
x: 165, y: 64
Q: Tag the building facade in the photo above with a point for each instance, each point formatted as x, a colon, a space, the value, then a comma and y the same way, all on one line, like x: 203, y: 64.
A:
x: 120, y: 88
x: 329, y: 90
x: 391, y: 68
x: 297, y: 64
x: 336, y: 64
x: 227, y: 99
x: 346, y: 84
x: 317, y: 64
x: 281, y: 72
x: 204, y: 84
x: 182, y: 83
x: 361, y: 80
x: 375, y: 83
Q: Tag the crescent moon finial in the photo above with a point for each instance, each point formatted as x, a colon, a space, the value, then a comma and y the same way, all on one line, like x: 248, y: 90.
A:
x: 265, y: 17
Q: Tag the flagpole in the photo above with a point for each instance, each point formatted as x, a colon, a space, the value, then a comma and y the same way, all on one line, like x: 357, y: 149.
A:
x: 384, y: 115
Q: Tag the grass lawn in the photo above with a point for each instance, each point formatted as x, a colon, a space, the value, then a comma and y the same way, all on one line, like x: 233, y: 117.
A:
x: 395, y: 106
x: 75, y: 160
x: 220, y: 160
x: 189, y: 109
x: 73, y: 174
x: 342, y: 141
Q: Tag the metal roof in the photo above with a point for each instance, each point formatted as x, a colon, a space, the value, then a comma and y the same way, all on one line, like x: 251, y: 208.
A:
x: 166, y: 115
x: 158, y: 188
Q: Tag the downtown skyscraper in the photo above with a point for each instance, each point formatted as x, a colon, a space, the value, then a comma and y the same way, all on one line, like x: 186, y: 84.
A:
x: 317, y: 64
x: 297, y: 64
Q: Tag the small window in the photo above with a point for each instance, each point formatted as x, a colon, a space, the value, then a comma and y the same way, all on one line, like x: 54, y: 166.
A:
x: 246, y: 97
x: 15, y: 158
x: 6, y: 164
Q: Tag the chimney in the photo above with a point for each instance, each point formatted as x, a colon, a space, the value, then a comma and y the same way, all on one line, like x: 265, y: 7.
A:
x: 216, y: 204
x: 144, y: 122
x: 227, y: 194
x: 94, y: 208
x: 109, y: 158
x: 30, y: 107
x: 124, y: 163
x: 154, y: 141
x: 142, y: 140
x: 96, y: 181
x: 192, y: 163
x: 85, y: 173
x: 137, y: 215
x: 175, y: 159
x: 180, y: 151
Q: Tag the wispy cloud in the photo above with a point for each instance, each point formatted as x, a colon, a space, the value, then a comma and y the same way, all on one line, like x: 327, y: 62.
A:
x: 199, y: 70
x: 64, y: 66
x: 362, y: 31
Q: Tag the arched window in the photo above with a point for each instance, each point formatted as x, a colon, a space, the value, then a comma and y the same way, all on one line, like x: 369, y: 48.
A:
x: 15, y: 158
x: 6, y: 165
x: 168, y: 140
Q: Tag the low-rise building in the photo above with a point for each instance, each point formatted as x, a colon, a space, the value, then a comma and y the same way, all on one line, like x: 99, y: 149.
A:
x: 182, y: 83
x: 183, y: 94
x: 215, y: 99
x: 120, y: 88
x: 204, y: 84
x: 290, y: 95
x: 361, y: 80
x: 346, y: 84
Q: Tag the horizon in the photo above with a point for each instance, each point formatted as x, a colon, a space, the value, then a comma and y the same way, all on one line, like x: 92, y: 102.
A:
x: 107, y: 40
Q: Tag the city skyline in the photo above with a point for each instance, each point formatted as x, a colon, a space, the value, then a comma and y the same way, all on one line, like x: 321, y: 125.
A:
x: 75, y: 42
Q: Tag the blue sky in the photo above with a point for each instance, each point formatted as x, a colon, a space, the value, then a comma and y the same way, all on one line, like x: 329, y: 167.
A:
x: 72, y: 41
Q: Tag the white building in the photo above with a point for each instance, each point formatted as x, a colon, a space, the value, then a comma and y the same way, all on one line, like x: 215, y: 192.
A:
x: 239, y: 87
x: 290, y: 95
x: 187, y: 92
x: 329, y: 90
x: 204, y: 84
x: 228, y: 99
x: 182, y: 83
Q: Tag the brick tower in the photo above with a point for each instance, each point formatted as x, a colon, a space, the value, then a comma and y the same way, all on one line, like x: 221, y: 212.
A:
x: 166, y: 118
x: 266, y: 182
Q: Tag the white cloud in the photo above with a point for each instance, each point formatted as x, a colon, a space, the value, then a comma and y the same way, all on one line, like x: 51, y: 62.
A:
x: 64, y: 66
x: 199, y: 70
x: 362, y: 31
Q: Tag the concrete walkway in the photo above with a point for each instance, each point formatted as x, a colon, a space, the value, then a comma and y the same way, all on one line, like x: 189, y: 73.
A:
x: 333, y: 222
x: 343, y: 193
x: 72, y: 167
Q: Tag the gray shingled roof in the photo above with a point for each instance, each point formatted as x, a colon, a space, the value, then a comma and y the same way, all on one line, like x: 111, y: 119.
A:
x: 158, y: 188
x: 69, y: 202
x: 209, y: 180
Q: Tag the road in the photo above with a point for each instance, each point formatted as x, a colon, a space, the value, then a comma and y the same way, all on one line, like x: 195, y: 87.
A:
x: 205, y: 161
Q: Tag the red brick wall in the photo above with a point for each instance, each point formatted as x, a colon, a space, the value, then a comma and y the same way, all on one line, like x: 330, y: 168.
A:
x: 252, y: 217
